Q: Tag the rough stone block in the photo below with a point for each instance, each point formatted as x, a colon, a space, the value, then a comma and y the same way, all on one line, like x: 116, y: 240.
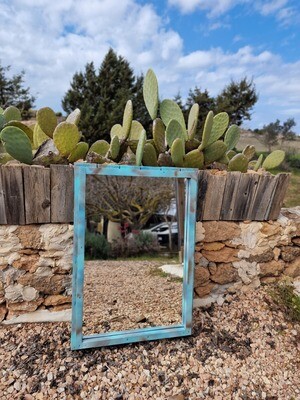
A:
x: 271, y: 268
x: 225, y: 255
x: 224, y: 273
x: 218, y: 231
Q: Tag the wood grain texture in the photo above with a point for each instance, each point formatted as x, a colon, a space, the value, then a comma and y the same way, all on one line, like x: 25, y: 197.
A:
x: 62, y: 193
x: 244, y: 195
x: 202, y: 188
x: 214, y: 197
x: 230, y: 196
x: 263, y: 198
x: 12, y: 210
x: 37, y: 194
x: 283, y: 181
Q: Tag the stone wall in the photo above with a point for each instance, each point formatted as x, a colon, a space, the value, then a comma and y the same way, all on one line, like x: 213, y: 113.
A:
x: 234, y: 256
x: 35, y: 268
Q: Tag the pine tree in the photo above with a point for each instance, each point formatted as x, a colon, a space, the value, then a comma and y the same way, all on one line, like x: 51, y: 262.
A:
x: 13, y: 92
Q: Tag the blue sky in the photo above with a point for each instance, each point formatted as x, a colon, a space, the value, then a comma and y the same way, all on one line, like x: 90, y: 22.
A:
x: 187, y: 42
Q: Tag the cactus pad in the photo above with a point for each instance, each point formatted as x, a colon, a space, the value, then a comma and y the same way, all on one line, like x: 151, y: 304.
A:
x: 249, y: 152
x: 220, y: 124
x: 135, y: 130
x: 114, y: 147
x: 258, y: 163
x: 117, y: 129
x: 170, y: 110
x: 149, y: 156
x: 23, y: 127
x: 193, y: 121
x: 79, y: 152
x: 177, y: 152
x: 214, y: 152
x: 1, y: 110
x: 230, y: 154
x: 232, y: 136
x: 194, y: 159
x: 5, y: 157
x: 17, y: 144
x: 140, y: 148
x: 12, y: 113
x: 100, y: 147
x: 65, y: 137
x: 2, y: 121
x: 159, y: 135
x: 174, y: 131
x: 74, y: 117
x: 191, y: 145
x: 39, y: 136
x: 47, y: 120
x: 274, y: 159
x: 127, y: 119
x: 207, y: 130
x: 150, y: 93
x: 238, y: 163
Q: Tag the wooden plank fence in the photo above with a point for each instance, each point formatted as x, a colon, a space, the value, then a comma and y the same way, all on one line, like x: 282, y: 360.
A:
x: 34, y: 194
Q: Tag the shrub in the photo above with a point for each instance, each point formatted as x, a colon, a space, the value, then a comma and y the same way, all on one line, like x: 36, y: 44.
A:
x: 284, y: 296
x: 96, y: 246
x: 137, y: 244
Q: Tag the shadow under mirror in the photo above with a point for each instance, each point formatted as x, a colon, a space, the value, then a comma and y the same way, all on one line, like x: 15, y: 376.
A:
x: 133, y: 253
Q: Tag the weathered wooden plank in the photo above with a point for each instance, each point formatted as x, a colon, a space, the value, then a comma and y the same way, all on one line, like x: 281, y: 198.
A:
x: 214, y: 197
x: 229, y: 195
x: 264, y: 194
x: 283, y: 181
x: 62, y: 193
x: 202, y: 187
x: 244, y: 196
x: 37, y: 194
x: 3, y: 219
x: 180, y: 208
x: 12, y: 197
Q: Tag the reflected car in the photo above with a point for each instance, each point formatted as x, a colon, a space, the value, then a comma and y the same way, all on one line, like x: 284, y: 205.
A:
x: 162, y: 231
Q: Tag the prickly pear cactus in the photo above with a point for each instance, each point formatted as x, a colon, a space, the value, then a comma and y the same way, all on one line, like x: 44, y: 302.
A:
x: 140, y: 148
x: 230, y: 154
x: 232, y: 136
x: 2, y: 121
x: 193, y: 121
x: 5, y: 157
x: 23, y: 127
x: 12, y: 113
x: 127, y: 119
x: 249, y: 152
x: 191, y: 145
x: 39, y: 136
x: 114, y: 147
x: 177, y: 152
x: 74, y: 117
x: 117, y: 130
x: 258, y: 163
x: 194, y: 159
x: 214, y: 152
x: 47, y: 120
x: 219, y: 126
x: 79, y: 152
x: 159, y: 135
x: 149, y: 156
x: 135, y: 130
x: 207, y: 130
x: 238, y: 163
x: 65, y: 137
x: 174, y: 130
x: 169, y: 110
x: 274, y: 159
x: 100, y: 147
x: 17, y: 144
x: 1, y: 110
x: 150, y: 93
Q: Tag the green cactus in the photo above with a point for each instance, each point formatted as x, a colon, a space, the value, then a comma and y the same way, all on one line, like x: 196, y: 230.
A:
x: 100, y: 147
x: 1, y: 110
x: 191, y: 145
x: 127, y: 119
x: 193, y: 121
x: 159, y: 135
x: 232, y: 136
x: 114, y: 147
x: 117, y: 129
x: 74, y: 117
x: 12, y: 113
x: 194, y: 159
x: 140, y: 148
x: 207, y: 130
x: 219, y: 126
x: 17, y: 144
x: 224, y: 160
x: 149, y: 156
x: 5, y: 157
x: 135, y: 130
x: 2, y: 121
x: 47, y: 120
x: 65, y: 137
x: 230, y: 154
x: 23, y: 127
x: 150, y: 93
x: 79, y: 152
x: 174, y: 130
x: 177, y: 152
x: 258, y: 163
x: 249, y: 152
x: 274, y: 159
x: 48, y: 154
x: 165, y: 160
x: 214, y: 152
x: 238, y: 163
x: 169, y: 110
x: 39, y: 136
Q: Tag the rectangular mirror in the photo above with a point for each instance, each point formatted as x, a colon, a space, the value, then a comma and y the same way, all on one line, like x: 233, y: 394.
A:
x: 133, y: 254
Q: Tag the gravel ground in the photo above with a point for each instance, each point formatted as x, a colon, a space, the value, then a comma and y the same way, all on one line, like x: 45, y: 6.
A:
x: 242, y: 350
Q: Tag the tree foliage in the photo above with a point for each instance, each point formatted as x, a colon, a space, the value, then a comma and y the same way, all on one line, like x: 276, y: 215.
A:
x: 276, y: 133
x: 13, y: 92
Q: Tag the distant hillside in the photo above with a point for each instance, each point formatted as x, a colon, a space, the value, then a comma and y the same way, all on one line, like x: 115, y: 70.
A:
x: 248, y: 137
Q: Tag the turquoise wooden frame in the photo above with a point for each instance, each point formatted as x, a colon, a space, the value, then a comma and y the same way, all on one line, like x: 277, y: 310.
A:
x: 78, y: 340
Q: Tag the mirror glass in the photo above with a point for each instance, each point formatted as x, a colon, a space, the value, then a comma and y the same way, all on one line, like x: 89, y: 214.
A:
x: 133, y: 253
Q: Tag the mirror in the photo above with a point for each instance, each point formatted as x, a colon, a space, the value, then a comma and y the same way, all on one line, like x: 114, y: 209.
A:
x: 134, y: 235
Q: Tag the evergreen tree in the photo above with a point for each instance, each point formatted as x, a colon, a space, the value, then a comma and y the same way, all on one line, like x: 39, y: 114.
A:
x: 13, y: 92
x: 237, y: 99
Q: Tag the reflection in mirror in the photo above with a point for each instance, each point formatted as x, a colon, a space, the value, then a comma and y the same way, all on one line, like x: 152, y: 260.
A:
x: 133, y: 245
